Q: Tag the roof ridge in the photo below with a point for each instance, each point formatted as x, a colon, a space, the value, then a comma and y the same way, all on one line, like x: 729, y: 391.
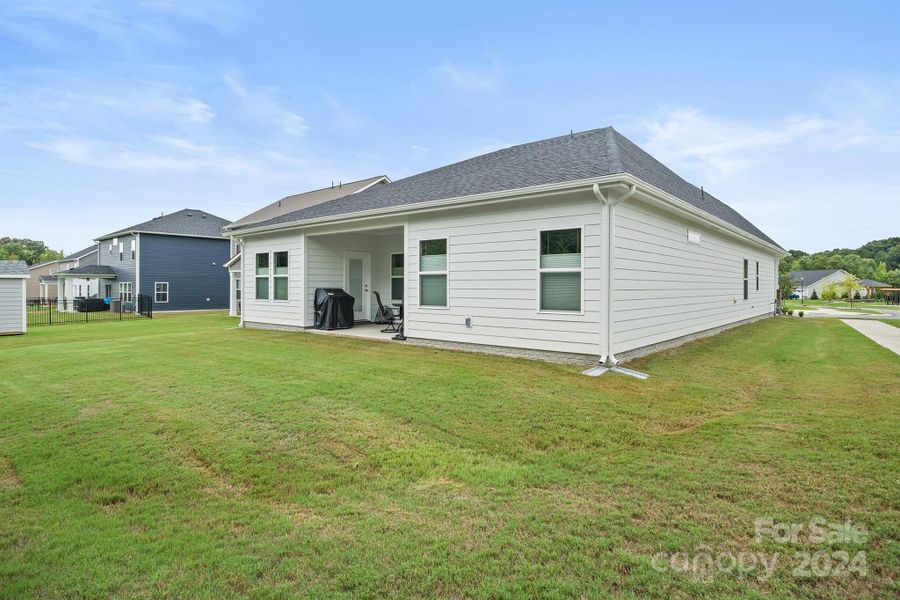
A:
x: 613, y: 155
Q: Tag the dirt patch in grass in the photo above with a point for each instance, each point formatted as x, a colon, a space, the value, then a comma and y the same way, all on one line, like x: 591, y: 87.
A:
x: 9, y: 478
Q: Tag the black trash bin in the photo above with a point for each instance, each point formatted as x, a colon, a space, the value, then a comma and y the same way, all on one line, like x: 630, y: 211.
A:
x: 334, y: 309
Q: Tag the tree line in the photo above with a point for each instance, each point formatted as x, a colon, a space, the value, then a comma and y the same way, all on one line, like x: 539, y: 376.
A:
x: 32, y: 252
x: 878, y: 260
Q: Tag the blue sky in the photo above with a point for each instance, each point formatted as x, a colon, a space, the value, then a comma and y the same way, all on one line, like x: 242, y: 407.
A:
x: 112, y: 112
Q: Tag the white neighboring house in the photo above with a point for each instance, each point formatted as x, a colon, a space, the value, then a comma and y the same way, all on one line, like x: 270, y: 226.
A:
x: 807, y: 282
x: 582, y: 245
x: 13, y: 276
x: 281, y: 207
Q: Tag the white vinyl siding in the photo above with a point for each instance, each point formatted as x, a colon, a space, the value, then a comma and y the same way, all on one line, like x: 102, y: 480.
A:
x: 325, y: 263
x: 285, y: 312
x: 12, y: 305
x: 493, y: 275
x: 666, y: 287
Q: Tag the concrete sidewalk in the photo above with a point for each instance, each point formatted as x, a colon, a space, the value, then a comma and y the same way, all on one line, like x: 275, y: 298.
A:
x: 880, y: 333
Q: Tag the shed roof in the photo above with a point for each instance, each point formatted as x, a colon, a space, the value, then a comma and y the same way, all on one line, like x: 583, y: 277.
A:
x: 188, y: 221
x: 573, y: 157
x: 14, y: 269
x: 873, y: 284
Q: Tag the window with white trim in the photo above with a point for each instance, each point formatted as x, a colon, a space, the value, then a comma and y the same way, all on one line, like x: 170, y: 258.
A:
x: 121, y: 251
x: 396, y: 277
x: 757, y: 276
x: 133, y: 248
x: 125, y: 291
x: 560, y: 270
x: 262, y: 276
x: 280, y: 276
x: 161, y: 292
x: 746, y: 279
x: 433, y: 272
x: 110, y: 248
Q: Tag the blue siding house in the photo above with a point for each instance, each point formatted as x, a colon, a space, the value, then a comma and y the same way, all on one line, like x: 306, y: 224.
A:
x: 176, y: 259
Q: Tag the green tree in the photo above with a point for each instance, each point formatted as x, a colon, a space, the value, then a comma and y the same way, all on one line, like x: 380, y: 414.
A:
x: 848, y: 287
x: 31, y: 251
x: 785, y: 285
x: 830, y: 291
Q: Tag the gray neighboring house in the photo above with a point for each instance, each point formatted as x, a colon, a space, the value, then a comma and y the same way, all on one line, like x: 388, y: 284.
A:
x: 286, y: 205
x: 176, y: 259
x: 13, y: 275
x: 46, y: 282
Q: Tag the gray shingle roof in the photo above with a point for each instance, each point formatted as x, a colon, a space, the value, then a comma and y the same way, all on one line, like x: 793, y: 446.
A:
x: 189, y: 221
x: 296, y: 202
x: 810, y: 277
x: 582, y: 155
x: 873, y: 283
x: 80, y: 253
x: 14, y: 267
x: 89, y: 270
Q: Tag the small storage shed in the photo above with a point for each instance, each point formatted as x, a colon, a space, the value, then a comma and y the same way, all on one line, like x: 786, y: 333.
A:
x: 13, y: 274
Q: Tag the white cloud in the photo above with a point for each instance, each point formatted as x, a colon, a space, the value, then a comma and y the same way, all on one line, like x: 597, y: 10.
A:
x: 815, y: 180
x: 262, y: 103
x: 469, y: 77
x: 718, y: 147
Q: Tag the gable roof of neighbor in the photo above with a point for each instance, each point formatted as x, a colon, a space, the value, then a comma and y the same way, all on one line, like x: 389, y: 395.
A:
x: 97, y: 270
x: 296, y: 202
x: 584, y: 155
x: 14, y: 269
x: 872, y: 283
x: 188, y: 221
x: 81, y: 253
x: 811, y: 277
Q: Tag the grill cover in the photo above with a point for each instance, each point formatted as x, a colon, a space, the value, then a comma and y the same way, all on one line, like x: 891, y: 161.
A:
x: 334, y: 309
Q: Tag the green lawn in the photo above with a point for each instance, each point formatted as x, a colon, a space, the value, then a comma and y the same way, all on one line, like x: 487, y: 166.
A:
x: 185, y: 458
x: 863, y: 307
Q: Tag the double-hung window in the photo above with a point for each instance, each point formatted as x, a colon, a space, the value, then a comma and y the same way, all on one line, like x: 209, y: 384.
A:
x: 280, y: 285
x: 746, y: 279
x: 560, y: 270
x: 161, y: 291
x: 397, y: 277
x: 133, y: 248
x: 433, y: 272
x: 121, y: 251
x: 757, y: 276
x: 262, y: 276
x: 125, y: 291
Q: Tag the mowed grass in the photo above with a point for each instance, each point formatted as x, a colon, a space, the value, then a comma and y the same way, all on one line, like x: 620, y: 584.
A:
x: 185, y: 458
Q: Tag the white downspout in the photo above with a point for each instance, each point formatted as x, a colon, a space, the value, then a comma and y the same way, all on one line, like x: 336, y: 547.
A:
x: 607, y: 272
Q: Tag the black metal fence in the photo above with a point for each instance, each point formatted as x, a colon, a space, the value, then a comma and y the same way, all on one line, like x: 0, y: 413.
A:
x: 60, y: 311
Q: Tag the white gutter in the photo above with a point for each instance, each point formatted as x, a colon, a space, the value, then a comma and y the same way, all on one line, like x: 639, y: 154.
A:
x: 608, y: 205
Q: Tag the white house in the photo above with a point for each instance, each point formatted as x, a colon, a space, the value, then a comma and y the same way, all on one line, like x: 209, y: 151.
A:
x: 13, y: 276
x: 582, y: 246
x: 807, y: 282
x: 286, y: 205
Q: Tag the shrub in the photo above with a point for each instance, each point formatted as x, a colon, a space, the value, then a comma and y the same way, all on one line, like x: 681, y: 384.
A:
x: 856, y: 296
x: 790, y: 312
x: 800, y: 314
x: 814, y: 296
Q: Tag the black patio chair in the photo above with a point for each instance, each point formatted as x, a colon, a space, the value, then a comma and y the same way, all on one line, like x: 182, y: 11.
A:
x: 388, y: 315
